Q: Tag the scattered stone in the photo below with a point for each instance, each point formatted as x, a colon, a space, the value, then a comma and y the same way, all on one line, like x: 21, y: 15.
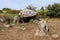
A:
x: 7, y: 25
x: 23, y: 28
x: 55, y: 35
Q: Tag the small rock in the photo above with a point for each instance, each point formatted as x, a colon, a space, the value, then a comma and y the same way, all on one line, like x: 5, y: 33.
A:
x: 7, y: 25
x: 1, y: 20
x: 35, y: 21
x: 23, y: 28
x: 55, y: 35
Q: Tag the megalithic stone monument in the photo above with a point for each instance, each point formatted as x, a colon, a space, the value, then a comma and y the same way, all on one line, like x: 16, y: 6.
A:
x: 42, y: 28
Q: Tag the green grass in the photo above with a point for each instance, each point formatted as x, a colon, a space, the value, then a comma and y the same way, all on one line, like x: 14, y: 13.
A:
x: 31, y: 21
x: 9, y: 15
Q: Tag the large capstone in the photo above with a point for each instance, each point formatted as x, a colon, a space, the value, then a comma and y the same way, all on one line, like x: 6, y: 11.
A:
x: 27, y: 14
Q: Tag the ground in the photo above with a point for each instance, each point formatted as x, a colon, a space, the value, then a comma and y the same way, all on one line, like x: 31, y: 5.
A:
x: 15, y: 33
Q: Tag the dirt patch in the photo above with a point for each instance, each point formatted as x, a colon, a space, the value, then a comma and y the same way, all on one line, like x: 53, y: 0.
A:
x: 15, y: 33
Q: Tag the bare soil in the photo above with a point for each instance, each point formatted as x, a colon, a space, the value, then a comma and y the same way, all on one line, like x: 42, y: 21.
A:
x: 15, y: 33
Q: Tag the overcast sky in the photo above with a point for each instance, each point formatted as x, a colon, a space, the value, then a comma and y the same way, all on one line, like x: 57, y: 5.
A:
x: 21, y: 4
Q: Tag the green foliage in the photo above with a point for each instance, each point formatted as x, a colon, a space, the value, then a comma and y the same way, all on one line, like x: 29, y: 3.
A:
x: 53, y: 10
x: 10, y: 11
x: 31, y: 20
x: 31, y: 7
x: 41, y: 12
x: 42, y: 8
x: 6, y: 9
x: 58, y: 15
x: 13, y: 11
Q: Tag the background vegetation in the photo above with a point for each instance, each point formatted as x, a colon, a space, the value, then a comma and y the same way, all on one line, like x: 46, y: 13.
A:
x: 52, y: 11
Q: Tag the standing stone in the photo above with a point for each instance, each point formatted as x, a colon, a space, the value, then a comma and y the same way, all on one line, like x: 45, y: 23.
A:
x: 42, y: 27
x: 15, y: 19
x: 2, y: 19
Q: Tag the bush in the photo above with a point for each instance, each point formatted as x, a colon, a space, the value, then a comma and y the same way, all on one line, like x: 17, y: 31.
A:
x: 53, y: 10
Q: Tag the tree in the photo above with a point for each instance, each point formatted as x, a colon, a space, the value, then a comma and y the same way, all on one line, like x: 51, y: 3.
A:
x: 6, y: 9
x: 13, y: 11
x: 42, y: 9
x: 31, y: 7
x: 41, y: 12
x: 53, y: 10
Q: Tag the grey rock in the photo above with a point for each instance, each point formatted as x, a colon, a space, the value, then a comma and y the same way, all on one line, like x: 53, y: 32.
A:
x: 42, y: 28
x: 23, y: 28
x: 27, y: 13
x: 15, y: 19
x: 7, y: 25
x: 2, y: 19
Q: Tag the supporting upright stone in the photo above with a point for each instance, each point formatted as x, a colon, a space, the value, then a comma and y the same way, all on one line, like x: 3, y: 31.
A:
x: 3, y: 19
x: 15, y: 19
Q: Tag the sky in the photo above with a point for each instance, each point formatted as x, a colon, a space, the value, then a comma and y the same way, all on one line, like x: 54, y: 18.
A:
x: 22, y: 4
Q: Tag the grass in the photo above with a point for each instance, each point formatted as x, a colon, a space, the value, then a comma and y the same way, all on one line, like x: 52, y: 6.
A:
x: 9, y: 15
x: 31, y: 21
